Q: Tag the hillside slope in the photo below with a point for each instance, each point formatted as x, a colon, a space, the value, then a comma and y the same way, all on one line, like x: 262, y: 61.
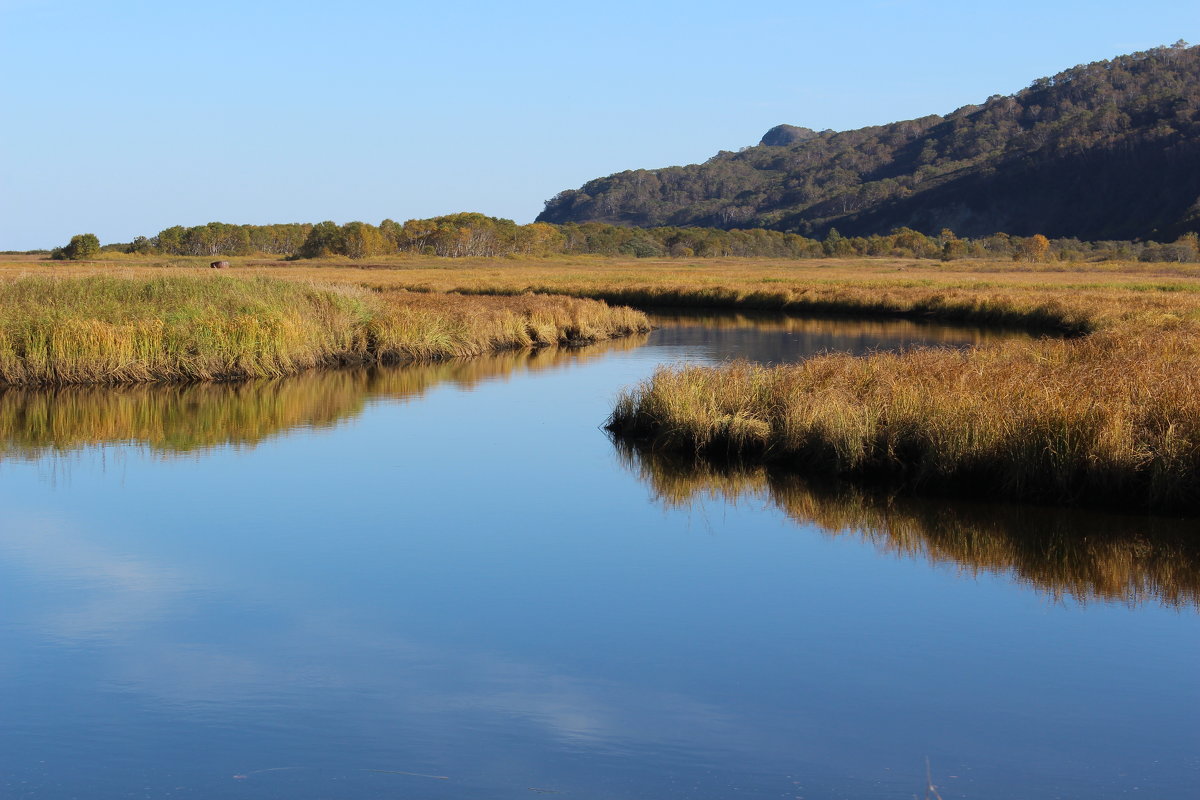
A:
x: 1109, y: 150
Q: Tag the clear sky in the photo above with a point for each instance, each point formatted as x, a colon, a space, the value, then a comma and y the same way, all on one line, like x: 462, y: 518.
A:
x: 121, y: 118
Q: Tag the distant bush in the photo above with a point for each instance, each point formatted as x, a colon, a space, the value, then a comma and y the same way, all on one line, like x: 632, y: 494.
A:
x: 81, y: 247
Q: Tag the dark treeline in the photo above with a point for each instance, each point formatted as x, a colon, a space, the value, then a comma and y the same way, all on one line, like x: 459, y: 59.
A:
x: 1104, y: 150
x: 477, y: 235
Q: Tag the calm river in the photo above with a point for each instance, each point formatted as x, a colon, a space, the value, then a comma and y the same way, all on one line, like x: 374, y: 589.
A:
x: 446, y: 582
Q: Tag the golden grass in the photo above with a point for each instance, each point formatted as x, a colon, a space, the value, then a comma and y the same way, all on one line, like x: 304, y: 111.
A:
x: 425, y: 325
x: 1111, y: 418
x: 115, y: 329
x: 1063, y: 296
x: 1104, y: 417
x: 1062, y: 552
x: 181, y: 418
x: 1060, y: 296
x: 1107, y: 416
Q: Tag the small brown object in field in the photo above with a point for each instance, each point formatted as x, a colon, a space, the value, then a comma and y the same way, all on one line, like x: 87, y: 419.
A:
x: 219, y: 264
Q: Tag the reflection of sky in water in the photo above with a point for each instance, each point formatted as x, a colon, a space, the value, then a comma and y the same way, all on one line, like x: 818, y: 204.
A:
x: 468, y: 584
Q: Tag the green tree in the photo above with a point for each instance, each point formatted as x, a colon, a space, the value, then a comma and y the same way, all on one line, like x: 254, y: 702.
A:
x: 836, y: 245
x: 140, y: 245
x: 170, y: 240
x: 81, y: 247
x: 325, y: 239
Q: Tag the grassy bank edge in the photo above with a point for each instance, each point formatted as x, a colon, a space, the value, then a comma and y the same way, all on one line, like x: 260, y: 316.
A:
x: 105, y: 329
x: 999, y: 310
x: 1107, y: 416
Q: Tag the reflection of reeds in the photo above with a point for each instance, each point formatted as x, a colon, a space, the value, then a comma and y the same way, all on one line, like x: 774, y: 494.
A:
x: 842, y: 326
x: 176, y: 418
x: 1064, y: 552
x: 1110, y: 418
x: 107, y: 329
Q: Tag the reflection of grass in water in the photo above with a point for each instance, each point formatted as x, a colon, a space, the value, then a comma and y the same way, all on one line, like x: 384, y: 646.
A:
x: 183, y: 418
x: 175, y: 418
x: 1083, y: 555
x: 841, y: 326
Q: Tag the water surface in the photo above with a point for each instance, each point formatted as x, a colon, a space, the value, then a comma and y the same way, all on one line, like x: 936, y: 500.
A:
x: 446, y: 582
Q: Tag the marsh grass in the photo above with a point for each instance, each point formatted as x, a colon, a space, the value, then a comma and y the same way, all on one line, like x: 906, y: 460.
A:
x: 1087, y: 556
x: 117, y: 329
x: 177, y: 418
x: 420, y: 325
x: 1112, y: 418
x: 1108, y: 415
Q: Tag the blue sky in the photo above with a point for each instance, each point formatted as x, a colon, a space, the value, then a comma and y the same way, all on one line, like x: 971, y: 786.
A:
x: 122, y: 118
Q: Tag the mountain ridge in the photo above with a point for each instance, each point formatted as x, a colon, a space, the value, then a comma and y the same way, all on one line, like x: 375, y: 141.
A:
x: 1108, y: 150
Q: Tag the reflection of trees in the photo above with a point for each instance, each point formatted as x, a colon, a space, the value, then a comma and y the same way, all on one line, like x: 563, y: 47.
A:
x: 181, y: 418
x: 1065, y: 552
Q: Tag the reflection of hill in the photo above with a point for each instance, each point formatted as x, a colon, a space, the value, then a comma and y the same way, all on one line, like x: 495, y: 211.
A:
x: 183, y: 418
x: 1084, y: 555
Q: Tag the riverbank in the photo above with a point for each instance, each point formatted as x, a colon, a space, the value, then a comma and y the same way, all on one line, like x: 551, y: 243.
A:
x: 167, y: 327
x: 1112, y: 418
x: 1106, y: 416
x: 172, y: 419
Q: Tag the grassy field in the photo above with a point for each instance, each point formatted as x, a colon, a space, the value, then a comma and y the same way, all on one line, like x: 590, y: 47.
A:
x: 1071, y: 297
x: 113, y: 328
x: 1108, y: 415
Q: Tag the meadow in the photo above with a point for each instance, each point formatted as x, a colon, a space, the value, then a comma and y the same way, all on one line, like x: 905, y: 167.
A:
x: 1103, y: 409
x: 111, y: 328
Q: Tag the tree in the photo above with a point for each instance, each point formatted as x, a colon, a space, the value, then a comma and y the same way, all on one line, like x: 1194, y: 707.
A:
x: 170, y: 240
x: 325, y: 239
x: 1035, y: 248
x: 835, y: 244
x: 140, y: 245
x: 81, y: 247
x: 360, y: 240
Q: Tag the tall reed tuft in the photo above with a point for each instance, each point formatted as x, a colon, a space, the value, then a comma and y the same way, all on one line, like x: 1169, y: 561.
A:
x: 110, y: 329
x: 1111, y: 418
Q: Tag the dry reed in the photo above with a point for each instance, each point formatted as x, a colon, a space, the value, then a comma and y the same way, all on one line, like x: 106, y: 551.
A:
x: 1108, y: 416
x: 182, y: 418
x: 111, y: 329
x: 1111, y: 418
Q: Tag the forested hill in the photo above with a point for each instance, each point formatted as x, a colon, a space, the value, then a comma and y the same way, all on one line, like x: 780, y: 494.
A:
x: 1110, y: 150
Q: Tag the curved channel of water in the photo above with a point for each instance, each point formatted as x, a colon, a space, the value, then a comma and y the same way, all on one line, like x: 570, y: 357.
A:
x: 446, y: 582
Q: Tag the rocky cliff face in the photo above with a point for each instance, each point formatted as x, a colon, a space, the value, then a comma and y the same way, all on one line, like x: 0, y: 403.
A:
x: 784, y: 135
